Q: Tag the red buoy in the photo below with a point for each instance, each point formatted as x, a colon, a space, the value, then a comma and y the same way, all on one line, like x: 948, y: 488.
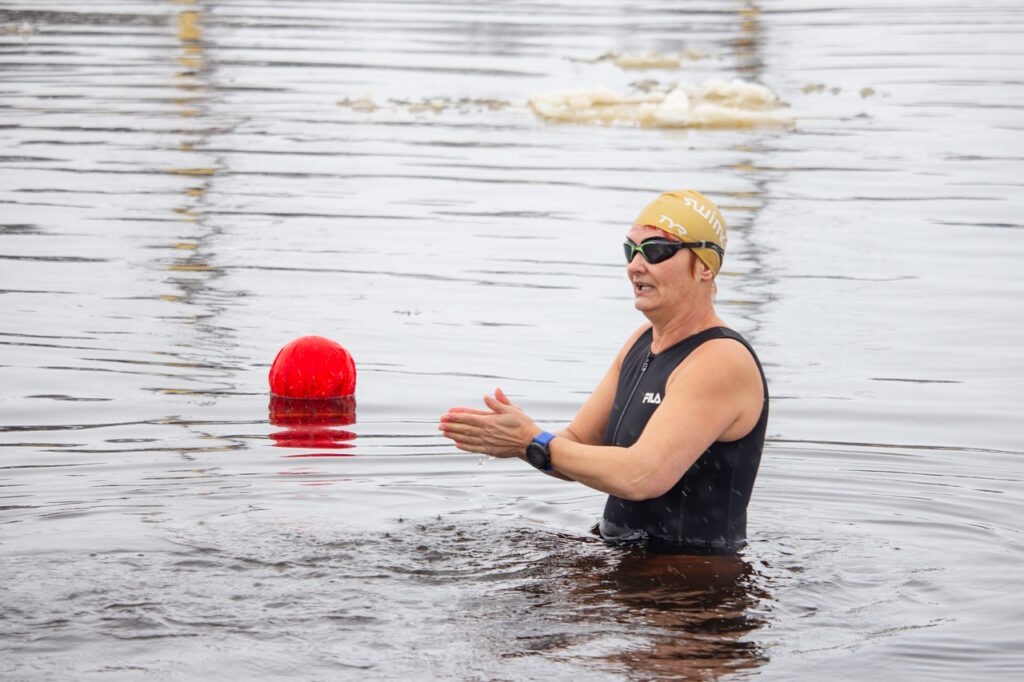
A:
x: 312, y: 367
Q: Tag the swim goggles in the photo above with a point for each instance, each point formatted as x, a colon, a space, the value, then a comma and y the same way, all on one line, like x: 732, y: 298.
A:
x: 656, y: 250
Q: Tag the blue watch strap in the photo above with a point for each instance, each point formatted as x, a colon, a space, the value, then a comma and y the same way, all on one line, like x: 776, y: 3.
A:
x: 544, y: 437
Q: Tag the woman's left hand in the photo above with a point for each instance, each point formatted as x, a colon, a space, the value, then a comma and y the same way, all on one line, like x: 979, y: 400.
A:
x: 505, y: 431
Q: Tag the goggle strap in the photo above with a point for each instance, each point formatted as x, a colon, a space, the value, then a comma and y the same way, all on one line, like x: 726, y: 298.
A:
x: 704, y: 244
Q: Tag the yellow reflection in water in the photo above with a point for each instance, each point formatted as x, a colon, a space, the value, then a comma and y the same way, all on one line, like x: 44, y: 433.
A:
x: 191, y: 267
x: 189, y: 33
x: 747, y: 46
x: 190, y: 171
x: 188, y: 28
x: 744, y: 167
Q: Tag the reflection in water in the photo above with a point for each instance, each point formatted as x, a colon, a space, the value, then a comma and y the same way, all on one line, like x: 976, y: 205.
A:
x: 310, y: 423
x: 747, y: 46
x: 700, y: 606
x: 746, y: 206
x: 194, y: 284
x: 693, y: 615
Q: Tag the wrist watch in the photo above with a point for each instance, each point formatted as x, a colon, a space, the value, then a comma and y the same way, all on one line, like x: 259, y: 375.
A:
x: 537, y: 452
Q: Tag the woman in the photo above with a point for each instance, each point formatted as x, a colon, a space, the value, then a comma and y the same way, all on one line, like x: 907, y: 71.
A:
x: 674, y: 431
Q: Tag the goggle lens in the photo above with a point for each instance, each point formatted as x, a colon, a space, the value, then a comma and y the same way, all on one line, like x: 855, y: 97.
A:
x: 653, y: 250
x: 656, y: 250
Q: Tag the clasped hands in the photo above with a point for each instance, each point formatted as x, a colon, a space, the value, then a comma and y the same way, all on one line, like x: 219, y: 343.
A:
x: 502, y: 431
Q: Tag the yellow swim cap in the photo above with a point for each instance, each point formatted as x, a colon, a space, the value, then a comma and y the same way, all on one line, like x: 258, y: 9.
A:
x: 692, y: 217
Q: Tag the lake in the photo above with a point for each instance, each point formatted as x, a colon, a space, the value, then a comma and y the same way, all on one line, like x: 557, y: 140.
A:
x: 443, y: 187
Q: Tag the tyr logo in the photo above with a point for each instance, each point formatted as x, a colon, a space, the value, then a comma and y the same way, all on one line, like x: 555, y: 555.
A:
x: 652, y: 398
x: 673, y: 225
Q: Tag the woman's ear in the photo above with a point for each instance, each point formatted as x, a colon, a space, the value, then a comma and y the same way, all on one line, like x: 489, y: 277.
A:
x: 701, y: 272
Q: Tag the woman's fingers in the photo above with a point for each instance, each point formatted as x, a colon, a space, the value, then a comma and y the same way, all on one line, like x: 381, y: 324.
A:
x: 501, y: 397
x: 468, y: 410
x: 463, y: 417
x: 499, y: 406
x: 498, y: 432
x: 452, y: 430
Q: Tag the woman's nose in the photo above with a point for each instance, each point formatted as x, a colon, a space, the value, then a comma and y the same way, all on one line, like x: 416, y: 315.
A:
x: 637, y: 265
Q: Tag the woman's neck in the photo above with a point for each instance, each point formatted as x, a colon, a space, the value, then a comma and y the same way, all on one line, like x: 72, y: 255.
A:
x: 667, y: 333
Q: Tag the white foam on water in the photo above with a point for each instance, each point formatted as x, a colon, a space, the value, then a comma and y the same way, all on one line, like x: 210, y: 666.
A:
x: 632, y: 61
x: 367, y: 105
x: 714, y: 104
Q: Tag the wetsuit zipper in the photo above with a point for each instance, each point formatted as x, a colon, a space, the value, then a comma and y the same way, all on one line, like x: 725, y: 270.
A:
x: 625, y: 406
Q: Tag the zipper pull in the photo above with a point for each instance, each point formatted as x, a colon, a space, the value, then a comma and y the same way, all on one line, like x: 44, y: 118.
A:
x: 643, y: 367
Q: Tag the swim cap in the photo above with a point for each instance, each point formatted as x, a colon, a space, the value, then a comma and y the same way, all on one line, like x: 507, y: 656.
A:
x: 692, y: 217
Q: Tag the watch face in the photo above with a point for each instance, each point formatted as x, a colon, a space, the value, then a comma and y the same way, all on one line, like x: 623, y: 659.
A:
x: 537, y: 455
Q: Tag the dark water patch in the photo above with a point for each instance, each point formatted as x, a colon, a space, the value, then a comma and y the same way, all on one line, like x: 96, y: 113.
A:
x: 999, y: 226
x: 36, y: 291
x: 19, y: 228
x: 35, y: 344
x: 105, y: 370
x: 183, y: 450
x: 67, y: 398
x: 25, y: 159
x: 472, y: 375
x: 899, y: 446
x: 48, y: 336
x: 401, y: 275
x: 167, y: 363
x: 75, y: 427
x: 47, y: 466
x: 917, y: 381
x: 72, y: 18
x: 54, y: 259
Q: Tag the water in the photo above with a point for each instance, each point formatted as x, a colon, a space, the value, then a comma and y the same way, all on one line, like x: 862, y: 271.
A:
x: 186, y: 186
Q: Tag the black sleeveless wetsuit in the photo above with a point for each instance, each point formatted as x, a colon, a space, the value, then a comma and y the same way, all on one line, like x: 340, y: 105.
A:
x: 706, y: 511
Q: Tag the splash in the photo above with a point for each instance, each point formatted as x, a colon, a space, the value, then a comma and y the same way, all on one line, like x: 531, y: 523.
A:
x: 715, y: 104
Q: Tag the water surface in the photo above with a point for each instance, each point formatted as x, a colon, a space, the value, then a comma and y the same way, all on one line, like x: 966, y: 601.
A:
x: 186, y: 186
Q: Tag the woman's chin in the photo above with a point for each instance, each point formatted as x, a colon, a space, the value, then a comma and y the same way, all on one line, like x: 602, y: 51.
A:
x: 643, y: 303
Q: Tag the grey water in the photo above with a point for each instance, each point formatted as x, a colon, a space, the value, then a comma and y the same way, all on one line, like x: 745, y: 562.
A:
x: 187, y: 185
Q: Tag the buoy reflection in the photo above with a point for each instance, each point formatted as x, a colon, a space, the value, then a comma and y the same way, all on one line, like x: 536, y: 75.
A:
x: 312, y: 424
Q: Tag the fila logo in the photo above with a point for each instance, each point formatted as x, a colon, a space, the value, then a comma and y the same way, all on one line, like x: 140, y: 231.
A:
x: 673, y: 225
x: 652, y: 398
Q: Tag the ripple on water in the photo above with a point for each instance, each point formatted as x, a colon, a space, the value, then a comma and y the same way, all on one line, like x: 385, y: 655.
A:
x: 322, y: 597
x: 187, y: 186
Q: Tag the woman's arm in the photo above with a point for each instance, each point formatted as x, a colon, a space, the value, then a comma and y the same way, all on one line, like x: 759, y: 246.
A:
x: 715, y: 391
